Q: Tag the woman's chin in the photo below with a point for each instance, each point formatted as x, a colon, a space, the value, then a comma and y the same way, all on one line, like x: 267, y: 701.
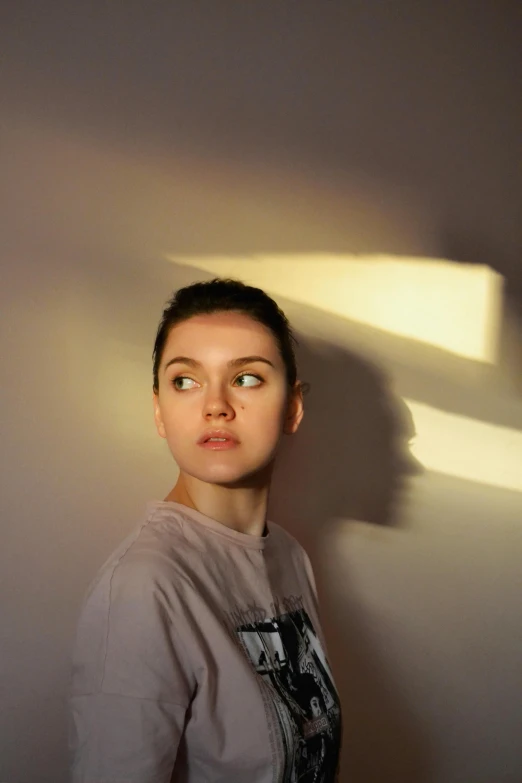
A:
x: 226, y: 476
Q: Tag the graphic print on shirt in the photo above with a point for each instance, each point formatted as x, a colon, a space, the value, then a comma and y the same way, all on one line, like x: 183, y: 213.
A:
x: 287, y: 654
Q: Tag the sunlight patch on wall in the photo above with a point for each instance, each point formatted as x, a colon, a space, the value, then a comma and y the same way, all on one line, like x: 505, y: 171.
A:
x: 466, y: 448
x: 452, y: 306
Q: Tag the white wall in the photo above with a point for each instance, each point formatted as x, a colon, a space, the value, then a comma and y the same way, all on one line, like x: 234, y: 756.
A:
x: 111, y: 167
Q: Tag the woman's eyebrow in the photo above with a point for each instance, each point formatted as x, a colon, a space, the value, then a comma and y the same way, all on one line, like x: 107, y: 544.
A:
x: 248, y: 360
x: 232, y: 363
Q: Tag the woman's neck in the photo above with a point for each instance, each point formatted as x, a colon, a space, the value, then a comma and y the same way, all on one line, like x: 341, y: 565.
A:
x: 240, y: 508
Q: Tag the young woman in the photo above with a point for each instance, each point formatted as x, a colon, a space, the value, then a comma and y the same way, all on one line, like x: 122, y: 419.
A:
x: 199, y: 656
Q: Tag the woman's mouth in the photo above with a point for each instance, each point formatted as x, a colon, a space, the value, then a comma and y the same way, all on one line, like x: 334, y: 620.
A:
x: 219, y: 444
x: 217, y: 440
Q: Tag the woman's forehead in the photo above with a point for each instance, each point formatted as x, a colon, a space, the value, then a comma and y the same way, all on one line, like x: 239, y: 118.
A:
x: 229, y: 334
x: 221, y: 327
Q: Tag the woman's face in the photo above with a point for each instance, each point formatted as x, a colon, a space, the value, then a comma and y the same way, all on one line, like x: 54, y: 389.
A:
x: 224, y: 372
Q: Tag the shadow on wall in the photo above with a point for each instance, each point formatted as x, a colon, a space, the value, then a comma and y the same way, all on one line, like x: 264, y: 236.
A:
x: 350, y: 460
x: 352, y: 448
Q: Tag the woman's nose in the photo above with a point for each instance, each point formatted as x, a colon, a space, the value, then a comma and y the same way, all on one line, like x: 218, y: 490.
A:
x: 217, y: 404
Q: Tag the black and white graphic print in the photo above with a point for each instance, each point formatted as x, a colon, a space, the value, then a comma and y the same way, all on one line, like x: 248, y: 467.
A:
x: 287, y: 654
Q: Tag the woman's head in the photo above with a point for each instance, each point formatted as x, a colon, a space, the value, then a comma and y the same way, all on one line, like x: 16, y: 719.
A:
x: 224, y: 361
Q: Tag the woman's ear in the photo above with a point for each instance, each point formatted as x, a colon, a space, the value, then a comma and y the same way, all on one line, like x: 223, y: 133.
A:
x: 294, y: 410
x: 158, y: 418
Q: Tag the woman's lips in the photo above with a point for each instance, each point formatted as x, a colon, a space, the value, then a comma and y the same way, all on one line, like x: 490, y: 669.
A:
x: 219, y: 445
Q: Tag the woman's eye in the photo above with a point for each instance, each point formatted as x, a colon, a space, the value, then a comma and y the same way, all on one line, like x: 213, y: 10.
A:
x: 247, y: 379
x: 178, y: 383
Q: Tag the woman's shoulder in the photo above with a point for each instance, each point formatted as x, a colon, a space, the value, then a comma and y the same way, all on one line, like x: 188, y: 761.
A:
x: 154, y: 553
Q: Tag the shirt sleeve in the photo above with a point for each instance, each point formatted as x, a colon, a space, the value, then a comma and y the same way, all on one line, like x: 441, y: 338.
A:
x: 131, y: 685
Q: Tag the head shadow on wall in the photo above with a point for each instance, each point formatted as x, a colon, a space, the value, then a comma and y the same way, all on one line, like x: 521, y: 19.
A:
x: 350, y: 458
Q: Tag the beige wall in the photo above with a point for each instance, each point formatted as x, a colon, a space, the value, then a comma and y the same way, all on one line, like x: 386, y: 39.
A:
x: 421, y: 602
x: 107, y: 206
